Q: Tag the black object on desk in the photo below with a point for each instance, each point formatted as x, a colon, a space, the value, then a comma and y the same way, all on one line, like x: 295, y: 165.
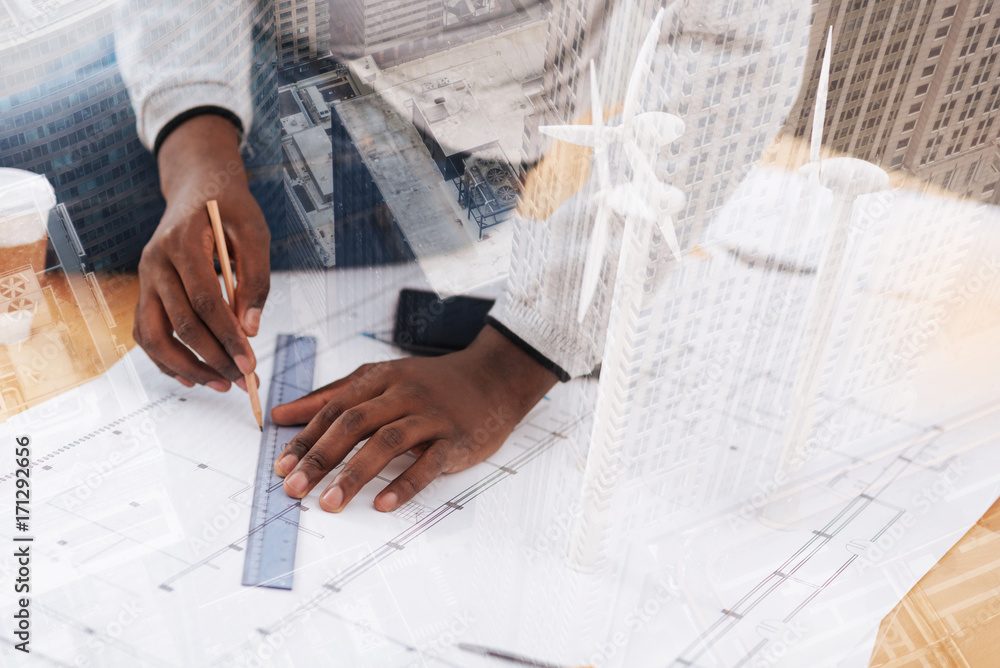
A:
x: 428, y: 325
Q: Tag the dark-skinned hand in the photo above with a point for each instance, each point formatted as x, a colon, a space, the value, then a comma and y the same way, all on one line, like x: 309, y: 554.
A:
x: 179, y: 290
x: 451, y: 412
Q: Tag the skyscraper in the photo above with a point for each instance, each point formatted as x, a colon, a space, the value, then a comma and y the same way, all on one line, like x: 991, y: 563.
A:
x: 914, y: 87
x: 394, y: 33
x: 65, y: 114
x: 303, y: 30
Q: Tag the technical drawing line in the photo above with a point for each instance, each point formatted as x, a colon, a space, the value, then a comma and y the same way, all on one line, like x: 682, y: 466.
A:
x: 180, y: 393
x: 203, y: 465
x: 829, y: 581
x: 105, y: 637
x: 102, y: 551
x: 368, y: 629
x: 897, y: 468
x: 400, y: 541
x: 119, y: 533
x: 165, y: 585
x: 125, y: 418
x: 433, y: 517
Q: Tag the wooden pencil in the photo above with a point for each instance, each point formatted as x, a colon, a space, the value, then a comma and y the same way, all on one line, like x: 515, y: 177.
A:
x: 227, y: 275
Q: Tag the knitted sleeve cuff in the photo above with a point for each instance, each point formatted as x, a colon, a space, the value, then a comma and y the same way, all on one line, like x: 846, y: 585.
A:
x: 187, y: 115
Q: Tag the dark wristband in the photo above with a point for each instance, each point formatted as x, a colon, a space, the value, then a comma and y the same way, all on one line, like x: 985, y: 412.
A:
x: 532, y: 353
x: 184, y: 116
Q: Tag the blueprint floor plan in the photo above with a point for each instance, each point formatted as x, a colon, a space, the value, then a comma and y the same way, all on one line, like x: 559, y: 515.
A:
x: 141, y: 516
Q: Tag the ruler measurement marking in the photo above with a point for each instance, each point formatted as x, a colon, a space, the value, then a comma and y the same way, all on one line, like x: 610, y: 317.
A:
x: 270, y: 551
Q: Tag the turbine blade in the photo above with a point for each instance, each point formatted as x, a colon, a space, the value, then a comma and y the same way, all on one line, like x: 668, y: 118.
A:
x: 629, y: 201
x: 596, y: 110
x: 594, y: 262
x: 666, y: 225
x: 822, y: 90
x: 642, y: 64
x: 597, y: 120
x: 581, y: 135
x: 655, y: 129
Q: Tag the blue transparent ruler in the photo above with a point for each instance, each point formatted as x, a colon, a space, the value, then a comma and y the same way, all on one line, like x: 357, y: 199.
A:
x: 274, y: 518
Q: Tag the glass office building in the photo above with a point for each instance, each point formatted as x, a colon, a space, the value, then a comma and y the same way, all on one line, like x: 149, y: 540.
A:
x: 65, y: 113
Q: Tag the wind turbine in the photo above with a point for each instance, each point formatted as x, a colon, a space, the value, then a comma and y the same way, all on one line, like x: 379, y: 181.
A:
x: 645, y: 197
x: 805, y: 209
x: 848, y: 179
x: 644, y: 204
x: 819, y: 114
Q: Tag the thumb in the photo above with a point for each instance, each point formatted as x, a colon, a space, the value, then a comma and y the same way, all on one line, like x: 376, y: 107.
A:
x: 252, y: 256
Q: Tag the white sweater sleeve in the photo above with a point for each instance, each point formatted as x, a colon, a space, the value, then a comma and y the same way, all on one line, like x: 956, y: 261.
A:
x: 731, y: 71
x: 178, y: 55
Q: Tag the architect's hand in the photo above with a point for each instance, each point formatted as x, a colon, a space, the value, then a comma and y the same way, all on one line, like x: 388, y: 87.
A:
x: 178, y: 287
x: 450, y: 412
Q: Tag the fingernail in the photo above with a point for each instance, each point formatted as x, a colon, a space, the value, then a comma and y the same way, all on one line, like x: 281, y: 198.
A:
x: 332, y: 498
x: 295, y: 484
x: 388, y: 502
x: 184, y: 381
x: 251, y: 321
x: 242, y: 383
x: 286, y: 464
x: 218, y: 385
x: 243, y: 363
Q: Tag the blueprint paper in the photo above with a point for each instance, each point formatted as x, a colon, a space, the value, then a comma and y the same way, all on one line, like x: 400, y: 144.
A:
x: 142, y: 504
x: 142, y: 491
x: 723, y: 588
x: 921, y: 445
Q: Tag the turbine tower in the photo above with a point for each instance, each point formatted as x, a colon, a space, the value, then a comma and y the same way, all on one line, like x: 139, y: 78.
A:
x: 848, y: 178
x: 643, y: 204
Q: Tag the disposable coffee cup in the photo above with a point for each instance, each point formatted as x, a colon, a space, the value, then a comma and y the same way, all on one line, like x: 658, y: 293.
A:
x: 25, y: 202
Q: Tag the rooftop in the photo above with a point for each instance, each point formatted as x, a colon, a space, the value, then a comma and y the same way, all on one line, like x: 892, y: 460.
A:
x: 294, y: 123
x: 315, y: 147
x: 484, y: 85
x: 405, y: 173
x: 500, y: 72
x: 455, y: 118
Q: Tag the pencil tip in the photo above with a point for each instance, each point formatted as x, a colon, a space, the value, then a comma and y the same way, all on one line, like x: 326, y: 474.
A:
x: 262, y: 429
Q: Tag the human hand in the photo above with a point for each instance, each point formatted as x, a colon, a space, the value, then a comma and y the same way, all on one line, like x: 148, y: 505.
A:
x: 178, y: 287
x: 452, y: 412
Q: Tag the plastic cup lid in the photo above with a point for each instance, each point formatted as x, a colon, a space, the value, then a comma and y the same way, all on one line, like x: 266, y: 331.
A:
x: 22, y: 191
